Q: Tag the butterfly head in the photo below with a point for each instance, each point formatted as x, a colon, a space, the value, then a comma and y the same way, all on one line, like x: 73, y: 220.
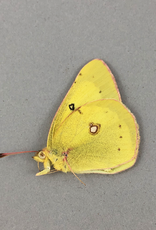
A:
x: 41, y: 156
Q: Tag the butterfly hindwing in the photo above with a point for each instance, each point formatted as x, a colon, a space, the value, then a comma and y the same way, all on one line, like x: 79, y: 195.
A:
x: 100, y: 137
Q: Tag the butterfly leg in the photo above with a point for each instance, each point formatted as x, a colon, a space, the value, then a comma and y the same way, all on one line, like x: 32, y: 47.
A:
x: 46, y: 168
x: 65, y: 159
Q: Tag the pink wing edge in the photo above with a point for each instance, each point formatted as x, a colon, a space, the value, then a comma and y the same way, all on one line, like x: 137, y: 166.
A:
x: 113, y: 78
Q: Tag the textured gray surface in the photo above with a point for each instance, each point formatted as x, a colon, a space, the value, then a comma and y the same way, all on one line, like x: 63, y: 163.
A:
x: 43, y: 45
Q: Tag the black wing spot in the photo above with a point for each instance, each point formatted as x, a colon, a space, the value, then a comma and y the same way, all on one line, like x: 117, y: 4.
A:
x: 120, y: 136
x: 100, y: 91
x: 75, y: 82
x: 65, y: 154
x: 118, y: 149
x: 72, y: 106
x: 119, y: 126
x: 79, y: 111
x: 80, y: 74
x: 56, y: 159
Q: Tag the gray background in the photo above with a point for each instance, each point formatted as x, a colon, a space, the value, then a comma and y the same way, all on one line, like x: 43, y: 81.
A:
x: 43, y: 45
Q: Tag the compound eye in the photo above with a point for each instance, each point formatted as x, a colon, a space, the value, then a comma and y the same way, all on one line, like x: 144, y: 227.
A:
x: 41, y: 155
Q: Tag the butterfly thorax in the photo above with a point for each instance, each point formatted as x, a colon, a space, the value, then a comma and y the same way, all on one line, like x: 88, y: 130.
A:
x: 58, y: 160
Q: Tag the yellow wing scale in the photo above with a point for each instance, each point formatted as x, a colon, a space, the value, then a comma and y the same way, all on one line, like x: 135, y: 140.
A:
x: 94, y: 81
x: 115, y: 144
x: 92, y: 131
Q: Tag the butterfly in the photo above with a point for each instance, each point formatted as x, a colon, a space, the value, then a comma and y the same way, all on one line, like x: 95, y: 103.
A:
x: 92, y: 131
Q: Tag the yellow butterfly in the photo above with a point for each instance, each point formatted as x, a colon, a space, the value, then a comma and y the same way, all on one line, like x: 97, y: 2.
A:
x: 92, y: 131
